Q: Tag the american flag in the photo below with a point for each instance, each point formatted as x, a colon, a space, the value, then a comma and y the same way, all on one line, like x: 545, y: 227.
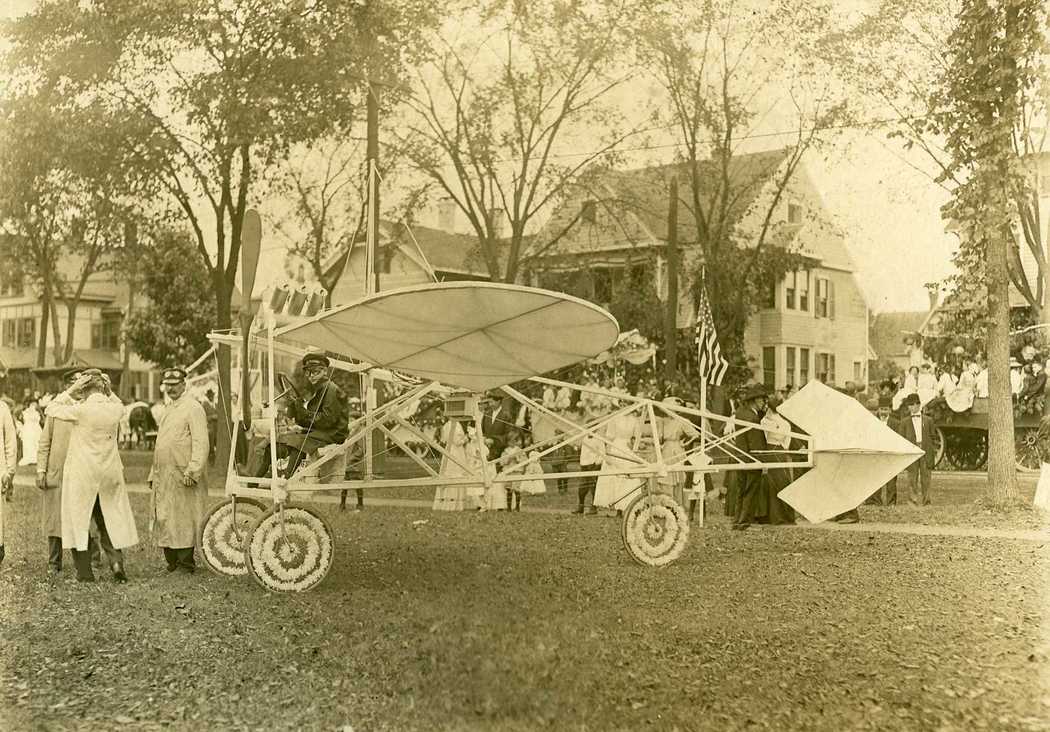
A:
x: 712, y: 366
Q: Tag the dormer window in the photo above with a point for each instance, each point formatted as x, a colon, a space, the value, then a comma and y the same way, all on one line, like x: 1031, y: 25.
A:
x: 589, y: 212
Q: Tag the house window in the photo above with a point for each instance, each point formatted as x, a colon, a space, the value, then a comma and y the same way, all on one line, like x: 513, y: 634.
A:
x: 803, y: 366
x: 825, y: 305
x: 794, y: 213
x: 803, y: 291
x: 589, y: 212
x: 11, y: 285
x: 858, y: 373
x: 769, y: 299
x: 105, y: 334
x: 789, y: 365
x: 790, y: 282
x: 23, y: 332
x: 826, y: 368
x: 769, y: 367
x: 10, y: 333
x: 602, y: 285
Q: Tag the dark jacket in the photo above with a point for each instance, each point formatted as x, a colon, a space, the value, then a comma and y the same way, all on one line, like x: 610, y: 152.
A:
x: 325, y: 416
x: 906, y: 429
x: 753, y: 439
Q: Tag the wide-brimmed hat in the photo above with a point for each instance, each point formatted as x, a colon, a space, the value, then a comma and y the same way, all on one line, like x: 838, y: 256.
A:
x: 315, y: 359
x: 173, y: 376
x: 755, y: 391
x: 72, y: 374
x: 912, y: 398
x: 886, y: 402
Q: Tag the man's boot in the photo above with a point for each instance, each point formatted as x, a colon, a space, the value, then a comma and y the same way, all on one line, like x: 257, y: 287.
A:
x: 82, y: 561
x: 54, y: 554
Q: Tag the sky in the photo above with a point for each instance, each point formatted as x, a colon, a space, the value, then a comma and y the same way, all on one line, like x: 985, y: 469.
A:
x: 879, y: 194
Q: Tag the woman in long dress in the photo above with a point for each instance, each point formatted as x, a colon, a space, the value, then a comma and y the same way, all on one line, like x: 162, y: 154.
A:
x: 93, y: 476
x: 674, y: 432
x: 614, y: 491
x: 31, y: 431
x: 778, y: 437
x: 456, y: 496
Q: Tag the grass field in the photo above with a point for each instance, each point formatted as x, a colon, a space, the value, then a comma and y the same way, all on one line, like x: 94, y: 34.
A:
x: 530, y: 621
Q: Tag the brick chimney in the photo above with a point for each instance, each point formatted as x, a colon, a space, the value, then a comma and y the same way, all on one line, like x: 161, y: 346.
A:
x: 446, y: 210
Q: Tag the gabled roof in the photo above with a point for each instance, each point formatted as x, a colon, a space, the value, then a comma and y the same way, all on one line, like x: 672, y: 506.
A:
x: 444, y: 251
x: 638, y: 199
x: 645, y: 190
x: 888, y: 330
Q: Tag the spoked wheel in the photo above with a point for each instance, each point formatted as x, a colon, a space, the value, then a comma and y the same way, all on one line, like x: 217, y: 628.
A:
x: 1026, y: 449
x: 290, y: 549
x: 655, y: 529
x: 224, y: 535
x: 939, y: 442
x: 966, y: 449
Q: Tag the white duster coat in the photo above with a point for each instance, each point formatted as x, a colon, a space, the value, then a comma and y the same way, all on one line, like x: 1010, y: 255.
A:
x: 182, y: 449
x: 8, y: 453
x: 93, y: 470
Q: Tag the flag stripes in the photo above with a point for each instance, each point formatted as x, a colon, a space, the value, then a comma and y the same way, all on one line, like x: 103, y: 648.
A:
x: 713, y: 367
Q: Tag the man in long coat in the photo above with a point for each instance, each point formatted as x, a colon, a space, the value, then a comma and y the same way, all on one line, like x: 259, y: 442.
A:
x: 752, y: 441
x: 177, y: 475
x: 93, y: 489
x: 50, y: 459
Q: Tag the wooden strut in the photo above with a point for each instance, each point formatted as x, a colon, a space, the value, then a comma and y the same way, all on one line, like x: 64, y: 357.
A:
x: 387, y: 416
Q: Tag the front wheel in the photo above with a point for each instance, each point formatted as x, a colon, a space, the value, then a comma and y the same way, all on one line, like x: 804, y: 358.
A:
x: 655, y: 529
x: 290, y: 549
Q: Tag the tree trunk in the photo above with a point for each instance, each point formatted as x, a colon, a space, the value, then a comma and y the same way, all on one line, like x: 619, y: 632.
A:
x: 71, y: 328
x: 1002, y: 476
x: 130, y: 244
x: 125, y: 347
x: 671, y: 314
x: 56, y: 331
x: 45, y: 316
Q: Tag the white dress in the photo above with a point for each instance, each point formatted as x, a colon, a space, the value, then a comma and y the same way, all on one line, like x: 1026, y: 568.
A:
x: 31, y: 431
x: 927, y: 388
x: 93, y: 471
x: 536, y: 486
x: 456, y: 497
x: 614, y: 491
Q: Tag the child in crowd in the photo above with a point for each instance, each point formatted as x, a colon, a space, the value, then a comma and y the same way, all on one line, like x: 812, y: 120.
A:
x: 534, y: 487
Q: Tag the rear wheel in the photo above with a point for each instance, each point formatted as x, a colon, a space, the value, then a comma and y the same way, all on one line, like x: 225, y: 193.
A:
x: 224, y: 534
x: 1026, y: 448
x: 966, y: 449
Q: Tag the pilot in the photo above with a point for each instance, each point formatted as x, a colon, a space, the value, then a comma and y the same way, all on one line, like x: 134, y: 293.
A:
x: 321, y: 417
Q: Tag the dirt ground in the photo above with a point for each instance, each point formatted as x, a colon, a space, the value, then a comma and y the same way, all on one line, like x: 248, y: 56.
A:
x: 539, y: 620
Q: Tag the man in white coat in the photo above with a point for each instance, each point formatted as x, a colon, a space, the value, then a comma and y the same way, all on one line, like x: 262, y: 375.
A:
x: 50, y: 459
x: 177, y: 476
x: 93, y: 477
x: 8, y: 460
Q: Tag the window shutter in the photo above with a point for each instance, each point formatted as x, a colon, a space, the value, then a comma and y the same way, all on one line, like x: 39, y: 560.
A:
x: 831, y: 299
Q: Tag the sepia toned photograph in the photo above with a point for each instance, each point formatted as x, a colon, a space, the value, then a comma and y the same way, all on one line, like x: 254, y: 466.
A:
x: 584, y: 365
